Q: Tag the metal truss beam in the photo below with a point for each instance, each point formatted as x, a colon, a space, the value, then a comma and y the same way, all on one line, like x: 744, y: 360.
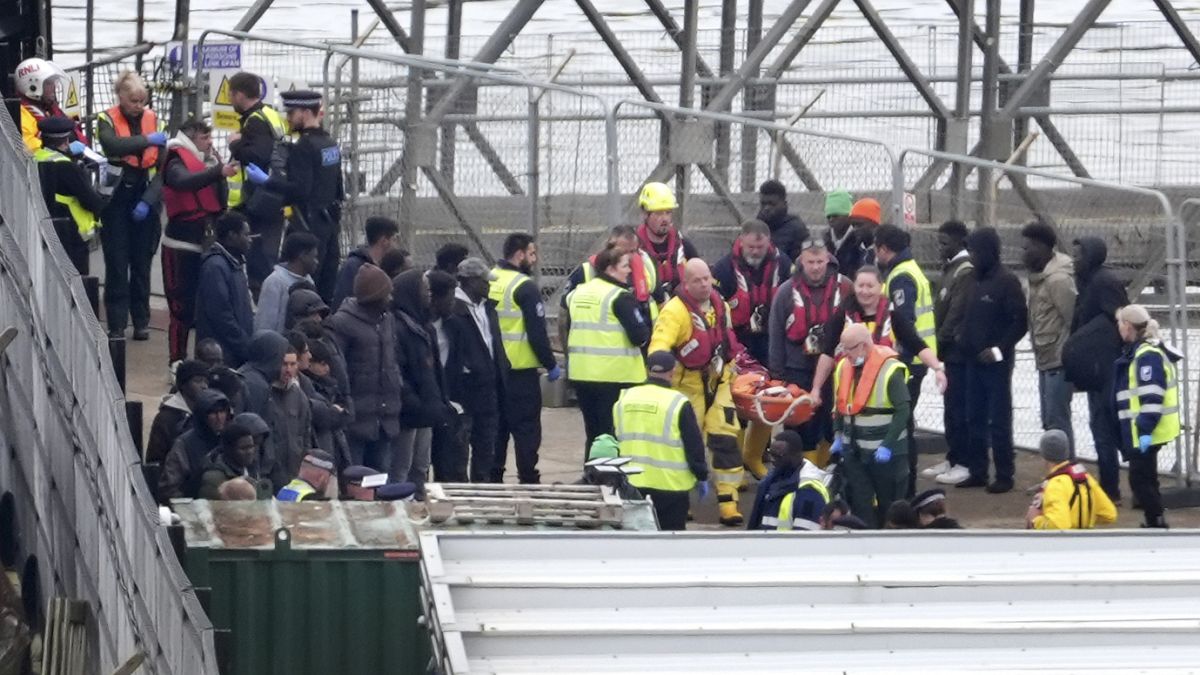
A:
x: 801, y: 39
x: 907, y: 65
x: 391, y: 24
x: 450, y: 199
x: 1180, y: 27
x: 722, y: 191
x: 249, y: 19
x: 677, y: 34
x: 493, y: 159
x: 791, y: 14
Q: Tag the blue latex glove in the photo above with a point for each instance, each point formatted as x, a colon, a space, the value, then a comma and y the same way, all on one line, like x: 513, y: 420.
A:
x: 1144, y: 443
x: 255, y: 175
x: 554, y: 373
x: 883, y: 455
x: 157, y: 138
x: 77, y: 148
x: 141, y: 211
x: 835, y: 448
x: 703, y: 489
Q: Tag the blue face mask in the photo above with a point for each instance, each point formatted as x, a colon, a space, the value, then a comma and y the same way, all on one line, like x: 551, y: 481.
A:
x: 859, y: 360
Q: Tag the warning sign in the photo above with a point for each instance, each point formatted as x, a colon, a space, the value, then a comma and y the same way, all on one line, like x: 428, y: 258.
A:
x: 70, y: 102
x: 283, y: 84
x: 910, y: 209
x: 223, y: 115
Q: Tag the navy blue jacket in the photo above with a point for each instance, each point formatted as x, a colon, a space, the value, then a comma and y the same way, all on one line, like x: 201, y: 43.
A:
x: 777, y: 484
x: 344, y: 288
x: 1151, y: 378
x: 223, y: 309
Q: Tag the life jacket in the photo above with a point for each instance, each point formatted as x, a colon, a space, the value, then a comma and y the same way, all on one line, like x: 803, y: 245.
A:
x: 706, y: 341
x: 876, y: 360
x: 640, y: 285
x: 882, y: 333
x: 669, y: 260
x: 1079, y: 480
x: 189, y: 205
x: 748, y: 297
x: 810, y: 308
x: 148, y: 157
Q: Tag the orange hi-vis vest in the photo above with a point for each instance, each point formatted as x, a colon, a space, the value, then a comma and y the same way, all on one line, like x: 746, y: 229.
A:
x: 149, y: 157
x: 875, y: 362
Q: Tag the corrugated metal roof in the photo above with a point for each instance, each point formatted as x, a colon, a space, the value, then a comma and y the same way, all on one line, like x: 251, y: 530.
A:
x: 813, y: 602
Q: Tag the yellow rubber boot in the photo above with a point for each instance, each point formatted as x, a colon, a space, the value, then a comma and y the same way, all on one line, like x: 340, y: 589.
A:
x: 727, y: 503
x: 820, y: 456
x: 754, y: 444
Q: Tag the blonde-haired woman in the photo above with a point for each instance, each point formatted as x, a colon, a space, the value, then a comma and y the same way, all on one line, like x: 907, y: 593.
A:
x: 130, y: 137
x: 1147, y: 398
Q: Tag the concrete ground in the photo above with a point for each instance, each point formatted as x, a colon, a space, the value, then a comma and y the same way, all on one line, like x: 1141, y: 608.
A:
x: 562, y: 452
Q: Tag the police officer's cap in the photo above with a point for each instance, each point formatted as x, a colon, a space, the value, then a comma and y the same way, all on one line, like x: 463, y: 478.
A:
x: 56, y: 127
x: 356, y: 473
x: 395, y: 492
x: 301, y: 98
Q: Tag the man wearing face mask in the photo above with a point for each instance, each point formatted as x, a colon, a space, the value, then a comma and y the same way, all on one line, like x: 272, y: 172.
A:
x: 523, y: 332
x: 695, y: 326
x: 787, y: 230
x: 870, y: 421
x: 659, y: 236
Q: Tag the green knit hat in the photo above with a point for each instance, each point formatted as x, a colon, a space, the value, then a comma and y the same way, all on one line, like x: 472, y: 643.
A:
x: 838, y: 203
x: 604, y: 447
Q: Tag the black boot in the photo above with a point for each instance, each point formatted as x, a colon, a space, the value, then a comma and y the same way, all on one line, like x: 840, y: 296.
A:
x: 1156, y: 522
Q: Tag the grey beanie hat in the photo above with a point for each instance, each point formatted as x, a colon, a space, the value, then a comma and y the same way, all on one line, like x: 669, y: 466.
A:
x: 1054, y: 446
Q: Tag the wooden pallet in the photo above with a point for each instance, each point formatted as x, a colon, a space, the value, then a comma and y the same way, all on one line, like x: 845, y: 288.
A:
x: 580, y: 506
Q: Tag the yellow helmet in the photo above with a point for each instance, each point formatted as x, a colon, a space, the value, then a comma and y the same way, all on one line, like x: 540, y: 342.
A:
x: 657, y: 197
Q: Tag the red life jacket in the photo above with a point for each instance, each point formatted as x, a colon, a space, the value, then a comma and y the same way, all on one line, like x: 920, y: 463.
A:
x: 1079, y: 481
x: 706, y: 340
x: 882, y: 335
x: 668, y: 261
x: 148, y: 157
x: 185, y: 205
x: 748, y: 297
x: 810, y: 309
x: 637, y: 275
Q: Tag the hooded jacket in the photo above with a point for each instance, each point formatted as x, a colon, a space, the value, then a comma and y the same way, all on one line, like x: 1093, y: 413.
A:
x: 996, y: 314
x: 950, y: 307
x: 423, y: 402
x: 1094, y: 341
x: 219, y: 470
x: 344, y: 288
x: 1051, y: 307
x: 286, y: 411
x: 788, y: 232
x: 174, y: 417
x: 185, y: 463
x: 367, y: 338
x: 223, y: 308
x: 780, y: 482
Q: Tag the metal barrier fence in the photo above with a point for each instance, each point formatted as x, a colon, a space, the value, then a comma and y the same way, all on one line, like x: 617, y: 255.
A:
x: 87, y: 524
x: 97, y: 79
x: 1142, y: 220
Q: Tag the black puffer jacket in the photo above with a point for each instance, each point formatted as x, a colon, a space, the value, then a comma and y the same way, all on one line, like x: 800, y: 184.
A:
x: 424, y: 402
x: 184, y: 465
x: 1094, y: 343
x: 367, y: 337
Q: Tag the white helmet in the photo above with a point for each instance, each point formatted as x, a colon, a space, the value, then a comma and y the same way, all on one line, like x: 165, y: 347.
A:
x: 33, y: 77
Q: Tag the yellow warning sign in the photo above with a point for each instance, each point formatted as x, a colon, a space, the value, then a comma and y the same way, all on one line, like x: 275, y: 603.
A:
x: 227, y: 120
x: 222, y: 97
x: 72, y: 94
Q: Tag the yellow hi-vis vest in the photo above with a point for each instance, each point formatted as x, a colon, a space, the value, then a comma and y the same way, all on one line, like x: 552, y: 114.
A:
x: 598, y: 350
x: 512, y: 320
x: 1168, y: 427
x: 651, y: 269
x: 868, y: 428
x: 85, y: 221
x: 646, y: 423
x: 785, y: 519
x: 926, y: 328
x: 278, y: 129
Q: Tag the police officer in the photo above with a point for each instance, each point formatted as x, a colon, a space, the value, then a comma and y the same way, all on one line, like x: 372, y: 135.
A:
x: 316, y: 470
x: 911, y: 296
x: 261, y: 128
x: 1147, y: 403
x: 695, y: 326
x: 657, y: 428
x: 606, y: 331
x: 311, y: 183
x: 130, y: 135
x: 67, y: 188
x: 870, y: 423
x: 523, y: 331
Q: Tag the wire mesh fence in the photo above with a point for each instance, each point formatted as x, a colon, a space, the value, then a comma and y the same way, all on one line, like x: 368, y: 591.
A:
x: 87, y: 523
x: 1138, y: 224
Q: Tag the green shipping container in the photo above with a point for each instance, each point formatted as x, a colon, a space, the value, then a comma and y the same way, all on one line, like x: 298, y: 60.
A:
x: 308, y: 588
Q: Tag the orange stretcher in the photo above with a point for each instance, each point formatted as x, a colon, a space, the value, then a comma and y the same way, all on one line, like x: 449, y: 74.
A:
x: 773, y: 402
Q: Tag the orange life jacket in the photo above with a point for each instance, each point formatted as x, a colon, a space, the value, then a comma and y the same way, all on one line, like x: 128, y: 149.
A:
x: 149, y: 157
x: 876, y: 359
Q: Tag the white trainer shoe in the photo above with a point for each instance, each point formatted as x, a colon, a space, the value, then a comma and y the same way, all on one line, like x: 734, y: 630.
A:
x: 937, y: 469
x: 954, y: 476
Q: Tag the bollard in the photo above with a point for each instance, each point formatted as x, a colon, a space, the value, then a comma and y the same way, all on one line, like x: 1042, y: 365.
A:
x: 91, y: 286
x: 133, y: 415
x: 116, y: 351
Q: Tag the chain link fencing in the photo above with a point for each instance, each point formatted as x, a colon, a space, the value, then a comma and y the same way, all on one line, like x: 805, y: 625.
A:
x: 87, y: 524
x: 1144, y: 240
